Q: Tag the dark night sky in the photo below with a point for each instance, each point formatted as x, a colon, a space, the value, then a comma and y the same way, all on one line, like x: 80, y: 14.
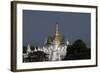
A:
x: 38, y: 25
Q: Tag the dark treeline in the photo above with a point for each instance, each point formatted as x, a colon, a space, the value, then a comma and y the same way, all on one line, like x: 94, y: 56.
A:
x: 36, y: 57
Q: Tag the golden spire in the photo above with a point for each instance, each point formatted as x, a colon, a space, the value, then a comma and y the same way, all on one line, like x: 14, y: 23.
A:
x: 57, y: 36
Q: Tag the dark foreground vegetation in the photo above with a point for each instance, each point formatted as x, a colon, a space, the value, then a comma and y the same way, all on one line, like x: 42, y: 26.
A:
x: 77, y: 51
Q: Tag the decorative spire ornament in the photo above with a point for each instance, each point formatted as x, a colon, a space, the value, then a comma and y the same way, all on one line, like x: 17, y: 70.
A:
x: 57, y: 36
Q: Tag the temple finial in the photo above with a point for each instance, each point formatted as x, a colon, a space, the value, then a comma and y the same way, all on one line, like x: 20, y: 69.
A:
x: 56, y: 27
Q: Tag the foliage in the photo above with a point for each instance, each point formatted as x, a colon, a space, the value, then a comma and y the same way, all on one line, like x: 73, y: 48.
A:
x: 78, y: 50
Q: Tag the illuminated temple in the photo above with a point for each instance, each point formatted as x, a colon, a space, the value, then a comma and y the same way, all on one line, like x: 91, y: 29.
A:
x: 55, y: 46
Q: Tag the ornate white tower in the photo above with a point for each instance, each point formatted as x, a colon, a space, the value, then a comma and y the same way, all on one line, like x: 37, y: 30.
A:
x: 56, y: 50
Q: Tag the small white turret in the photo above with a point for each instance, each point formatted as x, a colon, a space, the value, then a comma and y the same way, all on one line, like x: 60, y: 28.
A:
x: 67, y: 42
x: 39, y: 49
x: 35, y: 50
x: 29, y: 49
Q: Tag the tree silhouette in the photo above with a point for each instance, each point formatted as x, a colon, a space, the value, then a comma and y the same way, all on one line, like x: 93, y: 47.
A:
x: 78, y: 50
x: 79, y: 46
